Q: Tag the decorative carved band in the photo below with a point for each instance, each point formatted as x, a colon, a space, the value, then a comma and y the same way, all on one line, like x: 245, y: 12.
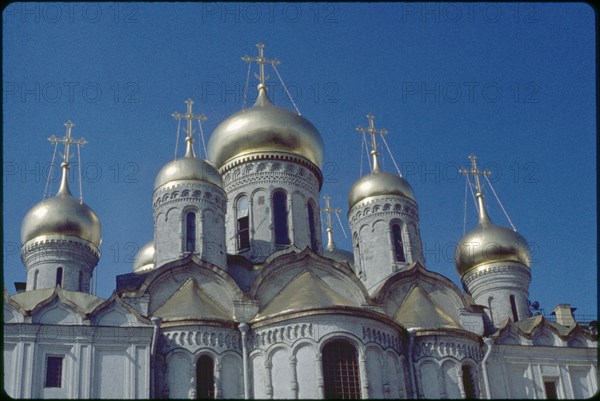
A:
x: 385, y: 340
x: 194, y: 339
x: 440, y: 348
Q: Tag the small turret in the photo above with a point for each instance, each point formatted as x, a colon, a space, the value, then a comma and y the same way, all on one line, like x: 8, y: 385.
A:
x: 493, y: 263
x: 384, y: 220
x: 61, y: 236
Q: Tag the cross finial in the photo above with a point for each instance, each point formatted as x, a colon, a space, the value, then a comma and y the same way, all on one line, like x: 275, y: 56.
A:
x: 189, y: 116
x: 261, y: 61
x: 476, y: 172
x: 373, y: 131
x: 67, y: 140
x: 328, y: 210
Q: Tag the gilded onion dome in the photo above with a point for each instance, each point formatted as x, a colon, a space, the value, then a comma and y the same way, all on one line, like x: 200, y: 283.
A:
x: 62, y: 215
x: 265, y: 128
x: 379, y: 182
x: 488, y: 242
x: 144, y: 258
x: 188, y: 168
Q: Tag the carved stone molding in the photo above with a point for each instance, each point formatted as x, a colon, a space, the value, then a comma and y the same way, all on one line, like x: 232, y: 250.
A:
x: 440, y: 347
x: 194, y: 339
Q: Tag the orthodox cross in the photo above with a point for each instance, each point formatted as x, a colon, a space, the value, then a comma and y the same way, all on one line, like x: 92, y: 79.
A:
x: 328, y: 210
x: 261, y: 61
x: 189, y: 116
x: 373, y: 131
x: 67, y: 140
x: 475, y: 171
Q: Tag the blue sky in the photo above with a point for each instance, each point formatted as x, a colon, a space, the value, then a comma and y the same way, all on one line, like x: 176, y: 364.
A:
x: 513, y: 83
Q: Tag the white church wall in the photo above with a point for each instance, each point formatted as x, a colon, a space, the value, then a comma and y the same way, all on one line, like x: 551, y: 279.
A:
x: 307, y: 366
x: 259, y: 376
x: 375, y: 374
x: 281, y: 372
x: 232, y: 376
x: 429, y: 380
x: 179, y: 368
x: 450, y: 375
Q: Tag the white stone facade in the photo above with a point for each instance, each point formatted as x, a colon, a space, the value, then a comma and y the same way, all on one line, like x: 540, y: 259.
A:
x: 279, y: 319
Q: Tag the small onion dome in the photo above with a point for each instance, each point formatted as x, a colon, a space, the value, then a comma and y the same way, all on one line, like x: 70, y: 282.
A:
x: 62, y: 215
x: 188, y: 167
x: 339, y: 255
x: 379, y: 182
x: 265, y: 128
x: 488, y: 243
x: 144, y: 258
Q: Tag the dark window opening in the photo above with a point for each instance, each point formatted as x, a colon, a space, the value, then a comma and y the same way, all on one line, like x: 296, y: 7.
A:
x: 398, y: 245
x: 550, y: 387
x: 513, y: 307
x: 59, y: 276
x: 280, y: 222
x: 340, y: 370
x: 311, y: 227
x: 190, y: 232
x: 469, y: 382
x: 205, y: 378
x: 243, y: 224
x: 53, y: 371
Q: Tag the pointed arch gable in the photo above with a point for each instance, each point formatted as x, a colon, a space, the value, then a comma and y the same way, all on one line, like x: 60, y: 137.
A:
x: 280, y: 272
x: 162, y: 283
x: 115, y: 312
x: 440, y: 289
x: 13, y: 312
x: 56, y: 311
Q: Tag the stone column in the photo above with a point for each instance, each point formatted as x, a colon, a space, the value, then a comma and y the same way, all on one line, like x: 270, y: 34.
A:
x: 294, y: 378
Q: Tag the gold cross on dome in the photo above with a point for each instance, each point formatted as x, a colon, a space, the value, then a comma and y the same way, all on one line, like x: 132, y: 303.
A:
x: 475, y: 171
x: 261, y: 61
x: 373, y: 131
x: 67, y: 140
x: 189, y: 116
x: 328, y: 210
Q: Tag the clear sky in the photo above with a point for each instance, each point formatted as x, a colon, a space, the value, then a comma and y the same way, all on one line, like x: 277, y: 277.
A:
x: 513, y: 83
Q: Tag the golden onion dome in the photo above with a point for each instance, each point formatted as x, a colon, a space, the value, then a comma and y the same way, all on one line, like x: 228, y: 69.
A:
x: 265, y: 128
x: 379, y: 182
x: 188, y: 167
x: 488, y: 243
x: 144, y: 258
x: 62, y: 215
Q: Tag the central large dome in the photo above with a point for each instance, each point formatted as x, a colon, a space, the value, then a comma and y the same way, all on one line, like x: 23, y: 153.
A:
x: 265, y: 128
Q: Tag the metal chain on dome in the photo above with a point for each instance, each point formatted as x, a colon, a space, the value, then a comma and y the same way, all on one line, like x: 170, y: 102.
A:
x: 465, y: 206
x: 202, y: 138
x: 79, y: 168
x: 177, y: 139
x: 500, y: 203
x: 246, y: 88
x: 472, y: 194
x: 341, y: 225
x: 286, y: 89
x: 51, y: 170
x: 364, y: 147
x: 391, y: 155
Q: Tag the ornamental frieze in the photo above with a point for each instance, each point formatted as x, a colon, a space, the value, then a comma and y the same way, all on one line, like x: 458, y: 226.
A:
x: 440, y: 349
x: 193, y: 340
